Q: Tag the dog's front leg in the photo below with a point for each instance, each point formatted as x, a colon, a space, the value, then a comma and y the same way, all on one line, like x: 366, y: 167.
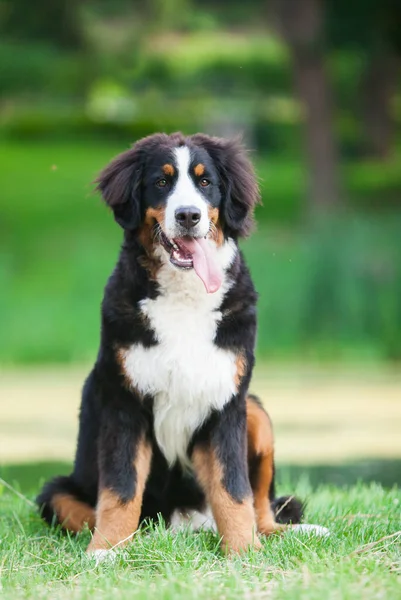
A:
x: 219, y: 458
x: 124, y: 462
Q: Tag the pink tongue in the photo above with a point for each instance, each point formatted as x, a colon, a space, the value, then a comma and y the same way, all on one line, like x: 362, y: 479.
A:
x: 204, y: 259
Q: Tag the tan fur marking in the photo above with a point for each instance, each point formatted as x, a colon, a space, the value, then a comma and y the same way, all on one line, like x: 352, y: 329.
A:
x: 235, y: 521
x: 72, y: 513
x: 213, y: 214
x: 199, y: 170
x: 219, y: 237
x: 154, y: 214
x: 168, y: 169
x: 146, y: 237
x: 120, y: 357
x: 115, y: 521
x: 216, y: 230
x: 240, y: 369
x: 260, y: 444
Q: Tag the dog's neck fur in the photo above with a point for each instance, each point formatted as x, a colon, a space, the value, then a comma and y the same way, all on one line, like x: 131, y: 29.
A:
x: 185, y: 284
x: 186, y: 373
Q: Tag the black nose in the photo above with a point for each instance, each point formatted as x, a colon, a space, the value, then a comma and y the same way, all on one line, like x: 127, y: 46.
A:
x: 188, y: 216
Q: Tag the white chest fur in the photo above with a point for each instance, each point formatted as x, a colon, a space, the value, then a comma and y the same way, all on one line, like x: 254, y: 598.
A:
x: 186, y: 373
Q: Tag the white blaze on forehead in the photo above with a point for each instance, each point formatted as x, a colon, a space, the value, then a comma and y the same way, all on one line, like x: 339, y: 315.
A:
x: 185, y: 193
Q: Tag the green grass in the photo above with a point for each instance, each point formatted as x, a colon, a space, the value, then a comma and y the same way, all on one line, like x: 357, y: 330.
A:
x: 332, y: 291
x: 360, y: 559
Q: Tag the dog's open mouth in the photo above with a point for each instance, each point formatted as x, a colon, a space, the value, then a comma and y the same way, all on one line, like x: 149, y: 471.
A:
x: 179, y: 254
x: 198, y: 254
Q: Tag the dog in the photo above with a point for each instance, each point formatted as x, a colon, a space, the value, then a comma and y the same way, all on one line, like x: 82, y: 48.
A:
x: 167, y: 426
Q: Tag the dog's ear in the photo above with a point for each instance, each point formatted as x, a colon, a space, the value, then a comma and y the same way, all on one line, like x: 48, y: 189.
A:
x: 120, y: 186
x: 238, y: 182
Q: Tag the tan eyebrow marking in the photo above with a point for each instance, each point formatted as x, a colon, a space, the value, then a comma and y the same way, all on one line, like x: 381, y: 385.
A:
x: 199, y: 170
x: 168, y: 169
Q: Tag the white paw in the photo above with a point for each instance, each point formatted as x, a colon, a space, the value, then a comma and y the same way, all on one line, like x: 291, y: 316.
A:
x: 193, y: 520
x: 203, y: 520
x: 317, y: 530
x: 102, y: 556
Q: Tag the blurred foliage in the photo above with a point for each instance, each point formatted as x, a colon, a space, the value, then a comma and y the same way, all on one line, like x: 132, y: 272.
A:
x: 58, y: 22
x: 181, y: 64
x: 27, y: 68
x: 331, y: 291
x: 81, y: 80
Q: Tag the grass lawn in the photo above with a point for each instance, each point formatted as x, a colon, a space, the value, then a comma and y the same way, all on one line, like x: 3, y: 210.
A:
x: 360, y: 559
x: 321, y: 427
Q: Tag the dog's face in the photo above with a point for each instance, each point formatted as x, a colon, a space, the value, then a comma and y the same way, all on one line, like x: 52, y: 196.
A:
x: 184, y: 184
x: 185, y: 195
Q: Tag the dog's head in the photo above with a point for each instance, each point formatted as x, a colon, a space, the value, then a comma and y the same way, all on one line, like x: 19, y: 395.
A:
x: 185, y: 194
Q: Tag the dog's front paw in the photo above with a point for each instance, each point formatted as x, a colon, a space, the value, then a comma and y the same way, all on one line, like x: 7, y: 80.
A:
x: 101, y: 556
x: 317, y: 530
x: 236, y: 544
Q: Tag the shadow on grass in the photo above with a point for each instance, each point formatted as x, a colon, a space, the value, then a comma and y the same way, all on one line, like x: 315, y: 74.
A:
x: 385, y: 472
x: 28, y: 478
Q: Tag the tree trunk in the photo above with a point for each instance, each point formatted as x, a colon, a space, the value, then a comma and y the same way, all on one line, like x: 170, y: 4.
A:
x: 378, y: 90
x: 301, y: 24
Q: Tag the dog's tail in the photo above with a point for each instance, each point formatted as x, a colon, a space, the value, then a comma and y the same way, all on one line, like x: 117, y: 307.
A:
x: 288, y: 509
x: 63, y: 502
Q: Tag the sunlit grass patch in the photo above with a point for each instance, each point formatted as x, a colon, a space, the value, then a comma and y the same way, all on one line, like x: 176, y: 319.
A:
x: 361, y: 557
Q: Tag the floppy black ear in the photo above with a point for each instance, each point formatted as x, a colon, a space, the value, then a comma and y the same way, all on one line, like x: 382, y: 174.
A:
x: 238, y: 182
x: 120, y: 186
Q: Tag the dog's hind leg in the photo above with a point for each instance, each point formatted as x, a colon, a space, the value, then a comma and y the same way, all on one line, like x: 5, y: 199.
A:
x: 62, y: 502
x: 70, y: 501
x: 261, y: 473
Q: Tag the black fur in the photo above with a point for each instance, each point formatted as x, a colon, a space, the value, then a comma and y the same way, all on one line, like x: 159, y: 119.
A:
x: 238, y: 183
x: 288, y: 509
x: 113, y: 417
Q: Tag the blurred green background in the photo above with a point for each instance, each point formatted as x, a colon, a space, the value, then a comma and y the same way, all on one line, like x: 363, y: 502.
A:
x: 314, y: 88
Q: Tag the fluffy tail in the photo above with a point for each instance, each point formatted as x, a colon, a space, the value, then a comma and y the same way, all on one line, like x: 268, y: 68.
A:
x: 288, y: 509
x: 63, y: 502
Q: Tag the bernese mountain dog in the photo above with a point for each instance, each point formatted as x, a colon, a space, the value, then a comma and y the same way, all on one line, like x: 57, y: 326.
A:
x: 167, y: 427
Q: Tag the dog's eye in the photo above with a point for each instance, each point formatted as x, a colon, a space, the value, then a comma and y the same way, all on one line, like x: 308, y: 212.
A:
x: 204, y: 182
x: 161, y: 183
